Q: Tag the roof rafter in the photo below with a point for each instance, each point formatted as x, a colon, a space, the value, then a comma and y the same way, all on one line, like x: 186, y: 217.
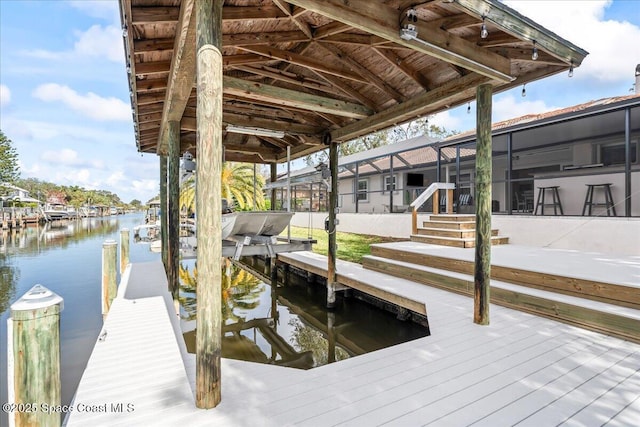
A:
x: 383, y: 21
x: 288, y: 97
x: 522, y: 27
x: 183, y: 71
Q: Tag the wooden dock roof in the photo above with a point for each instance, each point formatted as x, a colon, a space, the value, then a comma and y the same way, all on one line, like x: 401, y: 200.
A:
x: 306, y: 69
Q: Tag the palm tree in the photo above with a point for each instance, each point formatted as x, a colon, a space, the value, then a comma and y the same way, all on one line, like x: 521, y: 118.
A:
x: 237, y: 188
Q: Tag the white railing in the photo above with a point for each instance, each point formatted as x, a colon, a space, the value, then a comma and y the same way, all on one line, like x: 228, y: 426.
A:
x: 425, y: 195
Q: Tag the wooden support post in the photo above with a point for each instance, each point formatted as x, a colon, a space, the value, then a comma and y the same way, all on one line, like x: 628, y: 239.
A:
x: 124, y: 249
x: 450, y: 201
x: 109, y: 285
x: 208, y: 202
x: 333, y: 206
x: 164, y: 232
x: 482, y: 270
x: 435, y: 199
x: 173, y: 202
x: 34, y: 354
x: 414, y: 221
x: 274, y: 178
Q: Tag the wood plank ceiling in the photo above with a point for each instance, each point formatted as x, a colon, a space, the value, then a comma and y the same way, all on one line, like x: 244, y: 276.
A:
x: 310, y: 68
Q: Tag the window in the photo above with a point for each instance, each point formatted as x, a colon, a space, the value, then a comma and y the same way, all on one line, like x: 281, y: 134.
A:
x: 389, y: 184
x: 363, y: 190
x: 614, y: 154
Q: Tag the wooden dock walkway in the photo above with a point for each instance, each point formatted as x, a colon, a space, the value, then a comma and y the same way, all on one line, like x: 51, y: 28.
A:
x: 521, y: 369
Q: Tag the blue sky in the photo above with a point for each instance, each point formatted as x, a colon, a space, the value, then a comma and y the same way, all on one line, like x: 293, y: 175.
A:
x: 64, y: 98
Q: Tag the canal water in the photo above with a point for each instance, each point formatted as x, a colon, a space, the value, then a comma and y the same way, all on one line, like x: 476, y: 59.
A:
x: 283, y: 325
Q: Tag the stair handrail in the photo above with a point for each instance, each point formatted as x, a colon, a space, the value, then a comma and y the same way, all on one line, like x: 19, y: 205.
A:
x: 423, y: 197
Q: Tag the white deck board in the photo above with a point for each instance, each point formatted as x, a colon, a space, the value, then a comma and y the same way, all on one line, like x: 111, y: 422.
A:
x: 519, y: 368
x: 623, y: 270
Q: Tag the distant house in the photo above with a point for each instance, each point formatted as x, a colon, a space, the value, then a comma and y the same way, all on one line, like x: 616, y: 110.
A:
x: 595, y: 143
x: 11, y: 193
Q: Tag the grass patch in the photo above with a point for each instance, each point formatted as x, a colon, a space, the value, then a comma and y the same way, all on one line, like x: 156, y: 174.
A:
x: 351, y: 247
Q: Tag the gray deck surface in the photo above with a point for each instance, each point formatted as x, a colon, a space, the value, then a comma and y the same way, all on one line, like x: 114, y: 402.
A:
x: 521, y: 369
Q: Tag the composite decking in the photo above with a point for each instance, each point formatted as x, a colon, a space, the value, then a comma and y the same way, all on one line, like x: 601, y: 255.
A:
x: 520, y: 370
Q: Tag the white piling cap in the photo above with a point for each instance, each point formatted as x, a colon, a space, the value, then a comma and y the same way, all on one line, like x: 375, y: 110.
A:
x: 37, y: 297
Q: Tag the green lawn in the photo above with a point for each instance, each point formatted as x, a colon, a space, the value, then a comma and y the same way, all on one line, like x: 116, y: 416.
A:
x: 351, y: 247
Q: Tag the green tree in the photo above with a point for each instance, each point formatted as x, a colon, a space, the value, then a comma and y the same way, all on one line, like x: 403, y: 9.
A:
x: 237, y: 188
x: 9, y: 169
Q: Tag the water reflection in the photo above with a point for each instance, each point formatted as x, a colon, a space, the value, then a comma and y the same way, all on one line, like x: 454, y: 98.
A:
x: 66, y: 258
x: 289, y: 325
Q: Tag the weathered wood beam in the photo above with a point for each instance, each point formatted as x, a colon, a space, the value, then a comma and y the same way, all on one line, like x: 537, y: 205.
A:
x: 383, y: 21
x: 287, y: 97
x: 189, y: 123
x: 524, y: 54
x: 149, y: 125
x: 332, y: 248
x: 231, y: 13
x: 150, y: 98
x: 290, y: 78
x: 183, y: 71
x: 151, y: 85
x: 209, y: 222
x: 173, y: 198
x: 460, y: 20
x: 330, y: 29
x: 233, y: 60
x: 154, y: 15
x: 250, y: 149
x: 304, y: 61
x: 364, y: 72
x: 495, y: 39
x: 244, y: 39
x: 404, y: 67
x: 348, y: 90
x: 356, y: 39
x: 482, y: 265
x: 143, y: 68
x: 153, y: 45
x: 151, y: 117
x: 427, y: 103
x: 303, y: 26
x: 523, y: 28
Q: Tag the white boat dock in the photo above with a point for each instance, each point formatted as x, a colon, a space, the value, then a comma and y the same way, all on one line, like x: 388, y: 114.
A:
x: 521, y: 369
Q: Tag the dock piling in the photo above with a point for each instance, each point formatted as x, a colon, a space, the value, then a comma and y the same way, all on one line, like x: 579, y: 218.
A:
x: 109, y: 286
x: 34, y: 358
x: 124, y: 249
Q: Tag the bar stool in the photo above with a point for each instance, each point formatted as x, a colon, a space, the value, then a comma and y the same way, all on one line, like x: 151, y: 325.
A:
x: 608, y: 199
x: 556, y: 200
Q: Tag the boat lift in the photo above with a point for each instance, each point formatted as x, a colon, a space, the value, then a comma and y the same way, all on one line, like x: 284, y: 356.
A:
x: 237, y: 246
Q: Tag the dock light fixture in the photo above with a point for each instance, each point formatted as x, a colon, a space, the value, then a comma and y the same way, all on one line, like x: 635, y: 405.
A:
x: 571, y: 69
x: 255, y: 131
x: 483, y: 30
x: 534, y: 51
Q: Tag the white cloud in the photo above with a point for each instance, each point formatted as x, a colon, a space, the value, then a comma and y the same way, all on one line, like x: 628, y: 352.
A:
x: 612, y: 45
x: 507, y: 107
x: 98, y: 9
x: 96, y: 42
x: 446, y: 120
x: 100, y: 41
x: 90, y: 105
x: 69, y: 157
x: 5, y: 95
